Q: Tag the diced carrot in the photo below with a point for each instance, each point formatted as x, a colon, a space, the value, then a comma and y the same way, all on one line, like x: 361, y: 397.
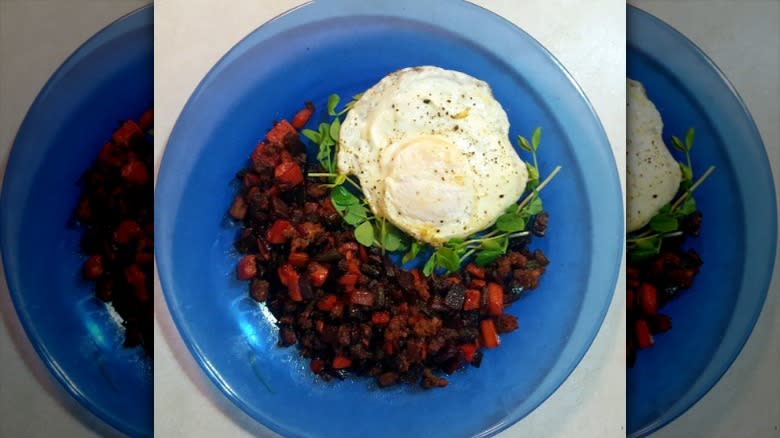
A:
x: 247, y: 267
x: 349, y: 280
x: 472, y: 300
x: 648, y: 298
x: 280, y: 130
x: 353, y: 266
x: 388, y: 347
x: 362, y: 298
x: 136, y: 278
x: 251, y: 179
x: 146, y: 120
x: 123, y: 135
x: 263, y: 156
x: 327, y: 302
x: 93, y: 267
x: 477, y: 283
x: 278, y: 232
x: 468, y: 351
x: 380, y: 318
x: 288, y: 174
x: 303, y: 116
x: 643, y: 336
x: 488, y: 331
x: 475, y: 270
x: 135, y: 172
x: 289, y: 277
x: 318, y: 274
x: 143, y: 258
x: 238, y: 208
x: 126, y: 231
x: 420, y: 284
x: 341, y: 362
x: 495, y: 299
x: 84, y: 210
x: 298, y: 258
x: 317, y: 365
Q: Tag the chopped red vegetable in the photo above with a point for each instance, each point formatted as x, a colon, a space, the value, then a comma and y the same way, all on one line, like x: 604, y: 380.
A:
x: 643, y: 336
x: 648, y: 298
x: 288, y: 174
x: 279, y: 232
x: 495, y: 299
x: 303, y: 116
x: 247, y: 267
x: 487, y: 330
x: 93, y: 267
x: 318, y: 274
x: 341, y: 362
x: 473, y: 299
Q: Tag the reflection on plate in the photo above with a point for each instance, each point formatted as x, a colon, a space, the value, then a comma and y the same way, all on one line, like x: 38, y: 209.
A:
x: 108, y: 79
x: 711, y: 321
x: 344, y: 46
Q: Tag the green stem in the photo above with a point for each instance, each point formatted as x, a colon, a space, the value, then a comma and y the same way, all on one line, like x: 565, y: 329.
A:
x: 692, y: 188
x: 535, y: 193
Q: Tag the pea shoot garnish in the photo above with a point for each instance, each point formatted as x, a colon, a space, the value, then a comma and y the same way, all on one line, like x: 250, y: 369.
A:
x: 646, y: 242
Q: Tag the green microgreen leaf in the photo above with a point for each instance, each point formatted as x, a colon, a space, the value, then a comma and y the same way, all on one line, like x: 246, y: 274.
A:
x: 510, y: 222
x: 536, y: 137
x: 364, y: 234
x: 429, y: 265
x: 446, y: 258
x: 663, y: 223
x: 689, y: 139
x: 485, y: 257
x: 312, y: 135
x: 335, y: 127
x: 341, y: 197
x: 355, y: 214
x: 333, y: 101
x: 678, y: 144
x: 412, y: 253
x: 523, y: 143
x: 687, y: 207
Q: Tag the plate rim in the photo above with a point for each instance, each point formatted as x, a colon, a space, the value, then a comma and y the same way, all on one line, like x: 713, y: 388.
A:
x: 167, y: 282
x: 637, y: 13
x: 17, y: 298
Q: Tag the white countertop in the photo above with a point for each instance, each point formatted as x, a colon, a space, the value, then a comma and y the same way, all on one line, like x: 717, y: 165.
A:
x: 743, y: 39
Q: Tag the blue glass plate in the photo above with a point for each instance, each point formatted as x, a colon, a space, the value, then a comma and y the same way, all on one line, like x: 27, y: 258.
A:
x: 108, y: 79
x: 711, y: 321
x: 344, y: 46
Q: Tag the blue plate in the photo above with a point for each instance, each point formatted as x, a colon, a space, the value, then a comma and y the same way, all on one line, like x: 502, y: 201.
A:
x: 108, y: 79
x: 712, y: 321
x: 345, y: 46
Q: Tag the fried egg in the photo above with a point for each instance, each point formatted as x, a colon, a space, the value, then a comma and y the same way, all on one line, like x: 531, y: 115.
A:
x: 652, y: 174
x: 431, y: 150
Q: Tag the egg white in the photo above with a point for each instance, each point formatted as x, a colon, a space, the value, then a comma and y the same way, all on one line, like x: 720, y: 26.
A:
x: 432, y: 152
x: 652, y: 174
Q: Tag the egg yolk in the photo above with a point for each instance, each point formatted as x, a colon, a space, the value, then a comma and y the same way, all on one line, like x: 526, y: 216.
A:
x: 428, y: 181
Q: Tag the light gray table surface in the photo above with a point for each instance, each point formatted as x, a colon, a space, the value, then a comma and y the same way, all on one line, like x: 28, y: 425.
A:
x: 35, y: 38
x: 743, y: 39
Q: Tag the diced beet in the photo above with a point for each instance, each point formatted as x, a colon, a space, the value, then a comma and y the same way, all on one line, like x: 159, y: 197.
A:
x: 247, y: 267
